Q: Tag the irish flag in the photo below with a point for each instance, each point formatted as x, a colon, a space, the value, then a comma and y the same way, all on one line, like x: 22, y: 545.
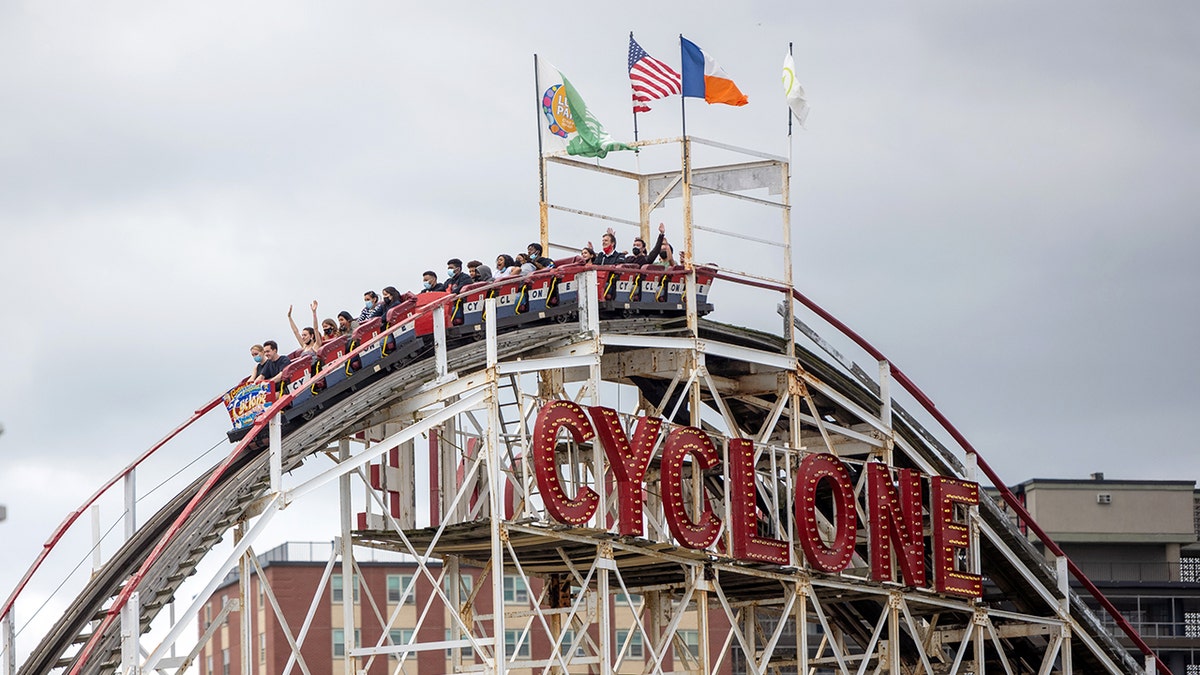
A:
x: 705, y: 78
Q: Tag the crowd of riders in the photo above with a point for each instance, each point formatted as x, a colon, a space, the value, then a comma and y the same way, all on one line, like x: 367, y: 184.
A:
x: 269, y: 363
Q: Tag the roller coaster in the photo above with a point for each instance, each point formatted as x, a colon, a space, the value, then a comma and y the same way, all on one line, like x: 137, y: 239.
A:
x: 598, y: 430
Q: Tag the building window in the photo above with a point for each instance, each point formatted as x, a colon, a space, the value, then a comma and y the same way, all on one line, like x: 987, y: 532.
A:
x: 1189, y: 569
x: 208, y: 621
x: 691, y: 639
x: 515, y: 590
x: 396, y: 583
x: 262, y: 593
x: 635, y: 643
x: 1191, y: 624
x: 567, y: 641
x: 208, y: 666
x: 449, y: 637
x: 262, y: 647
x: 339, y: 641
x: 512, y: 647
x: 335, y: 587
x: 225, y: 661
x: 465, y: 585
x: 399, y: 637
x: 224, y: 602
x: 633, y: 599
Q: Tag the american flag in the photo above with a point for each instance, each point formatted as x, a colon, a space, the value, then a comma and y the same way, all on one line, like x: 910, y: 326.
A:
x: 649, y: 77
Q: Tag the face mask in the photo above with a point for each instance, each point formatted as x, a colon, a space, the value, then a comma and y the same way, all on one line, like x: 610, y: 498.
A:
x: 609, y: 249
x: 258, y: 358
x: 370, y: 304
x: 637, y: 250
x: 428, y: 285
x: 450, y: 272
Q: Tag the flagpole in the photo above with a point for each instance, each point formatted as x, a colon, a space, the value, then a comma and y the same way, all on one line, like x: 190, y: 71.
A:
x: 682, y: 96
x: 543, y: 212
x: 633, y: 105
x: 789, y: 280
x: 789, y: 116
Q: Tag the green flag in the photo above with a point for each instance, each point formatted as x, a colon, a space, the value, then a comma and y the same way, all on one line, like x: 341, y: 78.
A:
x: 569, y: 124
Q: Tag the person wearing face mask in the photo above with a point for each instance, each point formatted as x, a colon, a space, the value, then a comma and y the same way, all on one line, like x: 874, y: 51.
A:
x: 527, y: 267
x: 608, y: 253
x: 256, y: 353
x: 430, y: 283
x: 456, y: 278
x: 391, y: 298
x: 329, y: 330
x: 346, y: 323
x: 534, y: 252
x: 371, y: 303
x: 641, y: 256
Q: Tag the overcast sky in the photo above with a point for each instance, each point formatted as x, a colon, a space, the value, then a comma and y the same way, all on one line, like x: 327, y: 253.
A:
x: 1000, y: 196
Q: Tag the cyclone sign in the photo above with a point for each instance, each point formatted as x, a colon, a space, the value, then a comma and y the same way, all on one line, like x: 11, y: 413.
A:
x: 896, y: 511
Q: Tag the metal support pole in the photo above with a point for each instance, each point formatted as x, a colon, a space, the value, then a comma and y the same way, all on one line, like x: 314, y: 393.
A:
x: 275, y: 436
x: 802, y: 629
x: 894, y: 600
x: 130, y: 635
x: 130, y: 504
x: 97, y: 561
x: 885, y: 410
x: 454, y: 574
x: 688, y: 238
x: 347, y: 546
x: 604, y: 620
x: 247, y: 615
x: 9, y: 637
x: 407, y: 488
x: 1068, y: 667
x: 789, y: 325
x: 439, y: 341
x: 495, y: 492
x: 977, y: 642
x: 489, y: 309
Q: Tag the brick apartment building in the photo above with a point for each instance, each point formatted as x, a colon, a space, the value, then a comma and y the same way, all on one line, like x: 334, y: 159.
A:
x: 294, y: 574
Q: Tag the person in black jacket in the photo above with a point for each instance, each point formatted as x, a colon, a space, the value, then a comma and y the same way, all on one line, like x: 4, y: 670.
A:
x: 608, y: 253
x: 430, y: 282
x: 456, y: 278
x: 391, y: 298
x: 639, y: 255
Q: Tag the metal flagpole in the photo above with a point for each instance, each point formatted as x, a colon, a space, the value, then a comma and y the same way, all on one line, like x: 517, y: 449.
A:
x: 789, y: 114
x: 633, y: 105
x: 682, y: 96
x: 543, y: 212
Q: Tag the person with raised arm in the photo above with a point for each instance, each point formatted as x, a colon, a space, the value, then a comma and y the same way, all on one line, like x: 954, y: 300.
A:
x: 309, y: 338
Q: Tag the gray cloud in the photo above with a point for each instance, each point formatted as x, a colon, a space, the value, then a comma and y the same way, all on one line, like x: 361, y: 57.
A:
x: 1000, y: 197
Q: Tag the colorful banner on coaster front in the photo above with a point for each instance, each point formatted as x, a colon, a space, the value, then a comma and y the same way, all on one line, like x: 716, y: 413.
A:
x: 244, y: 402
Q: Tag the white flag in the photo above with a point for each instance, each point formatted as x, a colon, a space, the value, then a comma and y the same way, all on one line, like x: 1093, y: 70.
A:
x: 793, y: 91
